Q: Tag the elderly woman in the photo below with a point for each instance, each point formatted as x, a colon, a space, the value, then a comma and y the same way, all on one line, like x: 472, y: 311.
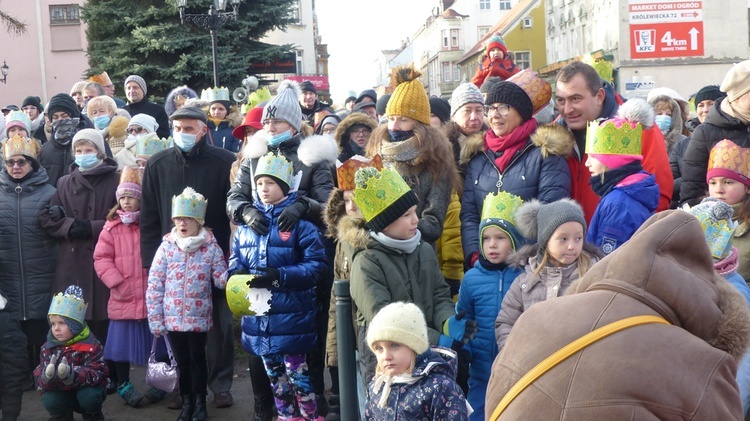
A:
x: 513, y: 156
x: 77, y: 93
x: 111, y: 122
x: 352, y: 135
x: 28, y: 254
x: 140, y: 125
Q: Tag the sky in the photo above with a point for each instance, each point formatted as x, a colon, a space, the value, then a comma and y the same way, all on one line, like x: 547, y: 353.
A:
x: 356, y: 30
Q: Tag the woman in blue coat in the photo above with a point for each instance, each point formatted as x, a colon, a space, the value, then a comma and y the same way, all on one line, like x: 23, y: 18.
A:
x: 514, y: 156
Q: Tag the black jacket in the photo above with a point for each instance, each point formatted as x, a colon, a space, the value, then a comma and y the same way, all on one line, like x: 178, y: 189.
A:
x: 717, y: 127
x: 57, y: 158
x: 154, y: 110
x: 167, y: 174
x: 13, y: 365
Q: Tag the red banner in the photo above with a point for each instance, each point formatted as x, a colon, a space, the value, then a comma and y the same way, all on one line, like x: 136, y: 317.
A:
x: 666, y: 40
x: 320, y: 82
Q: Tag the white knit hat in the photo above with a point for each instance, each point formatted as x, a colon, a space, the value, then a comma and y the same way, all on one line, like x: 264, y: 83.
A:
x: 400, y: 322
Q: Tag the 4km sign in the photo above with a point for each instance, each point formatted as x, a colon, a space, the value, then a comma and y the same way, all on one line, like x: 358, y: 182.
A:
x: 671, y: 28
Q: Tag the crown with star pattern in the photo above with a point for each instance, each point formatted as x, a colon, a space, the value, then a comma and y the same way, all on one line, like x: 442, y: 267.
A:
x: 147, y: 145
x: 276, y: 166
x: 501, y: 205
x: 215, y: 94
x: 189, y: 204
x: 614, y: 137
x: 69, y: 304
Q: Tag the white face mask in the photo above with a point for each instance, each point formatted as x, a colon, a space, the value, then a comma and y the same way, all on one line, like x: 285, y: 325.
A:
x: 184, y: 141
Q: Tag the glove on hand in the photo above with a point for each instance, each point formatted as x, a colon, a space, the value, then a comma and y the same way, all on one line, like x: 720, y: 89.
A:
x: 268, y: 280
x: 255, y: 220
x: 292, y: 214
x: 460, y: 328
x: 65, y: 371
x: 49, y: 371
x: 56, y: 212
x: 80, y: 230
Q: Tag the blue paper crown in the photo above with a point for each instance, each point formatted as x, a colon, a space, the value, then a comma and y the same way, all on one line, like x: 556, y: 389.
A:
x: 190, y: 204
x: 69, y: 304
x: 215, y: 94
x: 150, y: 144
x: 276, y: 166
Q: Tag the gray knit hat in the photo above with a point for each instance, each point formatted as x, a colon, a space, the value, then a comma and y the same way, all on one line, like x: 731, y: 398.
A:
x: 285, y: 105
x: 137, y: 79
x: 93, y: 136
x: 539, y: 220
x: 466, y: 93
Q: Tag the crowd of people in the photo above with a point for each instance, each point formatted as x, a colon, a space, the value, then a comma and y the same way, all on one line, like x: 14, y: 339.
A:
x: 480, y: 235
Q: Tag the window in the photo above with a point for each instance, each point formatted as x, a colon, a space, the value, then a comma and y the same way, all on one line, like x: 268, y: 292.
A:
x: 446, y: 71
x: 300, y: 56
x: 482, y: 31
x: 523, y: 59
x: 451, y: 71
x: 505, y: 5
x: 456, y: 72
x: 64, y: 14
x: 446, y: 42
x: 454, y: 38
x: 484, y: 4
x: 294, y: 10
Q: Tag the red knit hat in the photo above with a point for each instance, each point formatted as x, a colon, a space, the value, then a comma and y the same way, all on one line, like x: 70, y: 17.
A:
x: 496, y: 41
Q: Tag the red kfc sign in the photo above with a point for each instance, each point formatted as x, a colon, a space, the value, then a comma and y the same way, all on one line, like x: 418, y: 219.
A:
x: 670, y: 28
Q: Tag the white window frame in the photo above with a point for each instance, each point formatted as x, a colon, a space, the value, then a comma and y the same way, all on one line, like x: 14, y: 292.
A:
x: 505, y: 5
x: 523, y: 57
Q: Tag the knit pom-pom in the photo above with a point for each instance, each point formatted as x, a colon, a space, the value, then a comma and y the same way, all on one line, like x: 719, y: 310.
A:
x: 526, y: 218
x: 406, y: 74
x: 289, y: 84
x: 363, y: 175
x: 637, y: 110
x: 718, y: 210
x: 75, y: 291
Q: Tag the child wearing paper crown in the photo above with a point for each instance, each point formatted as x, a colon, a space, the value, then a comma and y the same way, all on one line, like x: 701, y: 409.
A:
x: 412, y: 381
x: 72, y: 373
x: 392, y: 263
x: 178, y: 296
x: 495, y: 62
x: 222, y: 119
x: 484, y: 286
x: 117, y: 260
x: 728, y: 179
x: 629, y: 195
x: 288, y: 264
x: 560, y: 256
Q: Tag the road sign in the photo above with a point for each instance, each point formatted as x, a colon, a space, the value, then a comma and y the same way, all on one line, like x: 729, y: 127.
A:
x: 671, y: 28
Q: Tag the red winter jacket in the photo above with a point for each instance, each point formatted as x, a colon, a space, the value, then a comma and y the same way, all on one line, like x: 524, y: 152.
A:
x: 504, y: 69
x: 86, y: 358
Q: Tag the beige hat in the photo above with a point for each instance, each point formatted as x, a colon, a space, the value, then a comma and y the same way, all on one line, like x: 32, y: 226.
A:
x: 737, y: 81
x: 400, y: 322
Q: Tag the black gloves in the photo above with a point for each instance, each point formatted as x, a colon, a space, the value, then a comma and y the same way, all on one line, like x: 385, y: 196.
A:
x: 269, y: 279
x: 80, y: 230
x: 292, y: 214
x: 255, y: 220
x: 56, y: 213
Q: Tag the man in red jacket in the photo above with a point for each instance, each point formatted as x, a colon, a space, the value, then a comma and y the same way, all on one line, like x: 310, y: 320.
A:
x: 582, y: 96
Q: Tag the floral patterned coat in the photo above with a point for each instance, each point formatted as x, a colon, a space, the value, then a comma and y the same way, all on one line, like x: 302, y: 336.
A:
x: 178, y: 296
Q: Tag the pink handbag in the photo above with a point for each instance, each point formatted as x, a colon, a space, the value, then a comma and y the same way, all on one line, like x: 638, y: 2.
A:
x: 161, y: 375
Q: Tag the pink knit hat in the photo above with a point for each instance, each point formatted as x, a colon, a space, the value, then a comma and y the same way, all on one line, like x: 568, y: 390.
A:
x: 616, y: 161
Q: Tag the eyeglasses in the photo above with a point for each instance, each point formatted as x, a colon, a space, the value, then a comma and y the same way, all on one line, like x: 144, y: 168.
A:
x: 273, y: 122
x: 329, y: 130
x: 11, y: 162
x: 361, y: 131
x: 502, y: 109
x: 135, y: 130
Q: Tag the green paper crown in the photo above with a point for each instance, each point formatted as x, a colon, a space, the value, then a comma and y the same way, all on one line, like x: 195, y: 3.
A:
x: 501, y: 205
x: 276, y: 166
x: 215, y: 94
x: 608, y: 139
x: 190, y: 204
x: 69, y: 304
x: 150, y: 144
x: 377, y: 190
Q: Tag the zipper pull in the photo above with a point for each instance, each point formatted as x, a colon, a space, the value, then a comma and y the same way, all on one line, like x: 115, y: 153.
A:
x: 499, y: 183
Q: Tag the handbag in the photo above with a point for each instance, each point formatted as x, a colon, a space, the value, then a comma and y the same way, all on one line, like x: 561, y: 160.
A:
x: 161, y: 375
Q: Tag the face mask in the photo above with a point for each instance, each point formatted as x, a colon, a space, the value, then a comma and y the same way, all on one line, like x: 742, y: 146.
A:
x: 400, y: 135
x: 184, y: 141
x: 276, y: 140
x: 64, y: 129
x: 102, y: 121
x: 664, y: 122
x: 87, y: 161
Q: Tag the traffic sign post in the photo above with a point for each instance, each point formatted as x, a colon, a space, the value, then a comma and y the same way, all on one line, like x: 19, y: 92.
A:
x: 671, y: 28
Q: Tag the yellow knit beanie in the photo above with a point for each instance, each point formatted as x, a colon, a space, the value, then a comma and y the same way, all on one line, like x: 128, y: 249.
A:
x: 409, y: 99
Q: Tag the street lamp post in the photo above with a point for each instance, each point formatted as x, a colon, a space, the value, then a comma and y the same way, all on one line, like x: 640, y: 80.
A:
x: 213, y: 21
x: 4, y: 71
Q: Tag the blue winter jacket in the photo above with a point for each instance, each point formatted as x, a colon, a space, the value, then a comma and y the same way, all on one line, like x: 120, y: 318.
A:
x: 621, y: 212
x: 743, y: 369
x: 289, y: 326
x: 221, y: 136
x: 530, y: 176
x: 480, y: 296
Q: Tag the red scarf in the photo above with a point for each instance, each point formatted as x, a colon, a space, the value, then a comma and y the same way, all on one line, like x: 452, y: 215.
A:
x: 509, y: 144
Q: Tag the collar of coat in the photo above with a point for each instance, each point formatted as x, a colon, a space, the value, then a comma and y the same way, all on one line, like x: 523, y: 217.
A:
x: 552, y: 139
x: 312, y: 150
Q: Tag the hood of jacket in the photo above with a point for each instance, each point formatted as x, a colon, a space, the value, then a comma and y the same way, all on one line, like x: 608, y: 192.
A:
x: 352, y: 232
x: 675, y: 132
x: 645, y: 192
x: 334, y: 211
x: 311, y: 150
x: 39, y: 178
x: 552, y: 139
x: 118, y: 126
x: 354, y: 118
x: 675, y: 277
x: 437, y: 360
x: 722, y: 120
x: 169, y: 105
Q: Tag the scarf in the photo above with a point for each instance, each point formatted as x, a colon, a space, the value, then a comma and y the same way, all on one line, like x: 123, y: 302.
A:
x: 605, y: 182
x: 189, y: 244
x: 128, y: 217
x: 356, y: 149
x: 385, y: 380
x: 489, y: 265
x: 510, y: 144
x: 404, y: 246
x: 729, y: 264
x: 399, y: 151
x: 733, y: 110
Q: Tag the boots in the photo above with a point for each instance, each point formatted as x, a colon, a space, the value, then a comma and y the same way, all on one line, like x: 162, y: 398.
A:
x: 263, y: 408
x: 200, y: 413
x: 188, y: 407
x: 128, y: 393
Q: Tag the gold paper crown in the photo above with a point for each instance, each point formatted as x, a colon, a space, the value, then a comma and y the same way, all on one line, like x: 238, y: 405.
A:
x: 69, y: 304
x: 377, y: 190
x: 603, y: 67
x: 215, y: 94
x: 150, y: 144
x: 275, y: 166
x: 727, y: 155
x: 345, y: 172
x: 19, y: 145
x: 102, y: 79
x: 538, y: 89
x: 131, y: 174
x: 608, y: 139
x: 190, y: 204
x: 501, y: 205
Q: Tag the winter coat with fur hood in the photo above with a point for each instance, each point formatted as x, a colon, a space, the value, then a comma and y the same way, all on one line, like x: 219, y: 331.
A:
x: 665, y: 270
x: 342, y: 134
x: 538, y: 171
x: 674, y: 134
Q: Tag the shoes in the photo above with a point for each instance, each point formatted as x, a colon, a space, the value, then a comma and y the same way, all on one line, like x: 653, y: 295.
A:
x: 111, y: 387
x: 223, y: 400
x: 323, y: 408
x: 94, y: 417
x: 263, y: 408
x: 200, y: 413
x: 175, y: 402
x: 128, y: 393
x: 154, y: 395
x: 188, y: 407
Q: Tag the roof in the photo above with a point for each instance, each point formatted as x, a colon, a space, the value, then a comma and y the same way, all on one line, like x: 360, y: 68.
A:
x: 450, y: 13
x: 507, y: 21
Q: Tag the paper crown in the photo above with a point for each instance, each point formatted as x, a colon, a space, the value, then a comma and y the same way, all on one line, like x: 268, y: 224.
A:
x: 728, y: 159
x: 150, y: 144
x: 603, y: 67
x: 614, y: 137
x: 102, y: 79
x: 19, y: 145
x: 538, y: 89
x: 345, y: 172
x: 501, y: 205
x: 718, y: 228
x: 215, y: 94
x: 69, y: 304
x: 377, y: 190
x: 189, y: 204
x: 276, y: 166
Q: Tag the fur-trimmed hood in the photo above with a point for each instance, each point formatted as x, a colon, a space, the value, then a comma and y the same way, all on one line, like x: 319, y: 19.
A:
x: 312, y: 150
x: 467, y: 145
x: 352, y: 232
x: 675, y: 132
x: 347, y: 123
x: 334, y: 211
x: 169, y: 105
x: 552, y: 139
x: 117, y: 128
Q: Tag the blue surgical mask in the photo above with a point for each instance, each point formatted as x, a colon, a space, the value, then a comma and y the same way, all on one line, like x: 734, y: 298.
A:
x: 184, y: 141
x: 664, y: 122
x: 102, y: 121
x: 87, y: 161
x: 278, y: 139
x: 400, y: 135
